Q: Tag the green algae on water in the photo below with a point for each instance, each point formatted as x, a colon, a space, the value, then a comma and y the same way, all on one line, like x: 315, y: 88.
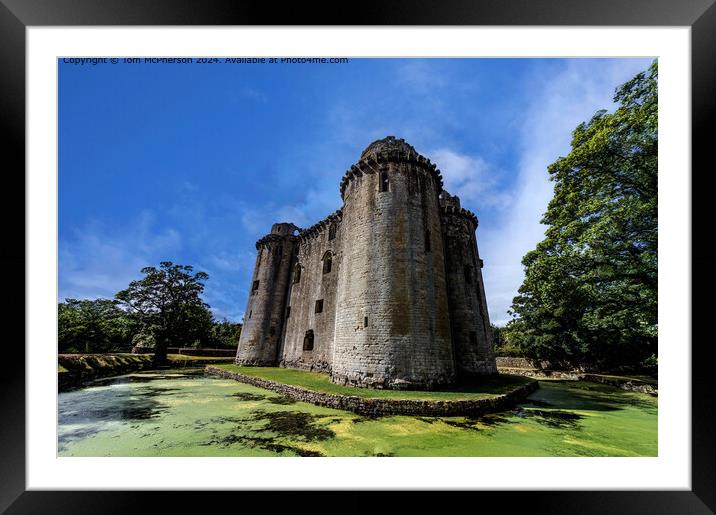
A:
x: 186, y: 413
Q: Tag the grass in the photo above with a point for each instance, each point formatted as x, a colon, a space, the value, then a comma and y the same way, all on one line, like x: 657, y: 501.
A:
x: 487, y: 387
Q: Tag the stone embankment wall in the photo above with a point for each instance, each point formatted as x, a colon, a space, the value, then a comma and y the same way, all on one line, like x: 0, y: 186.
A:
x: 625, y: 383
x: 530, y: 368
x: 190, y: 351
x: 510, y: 362
x: 80, y: 368
x: 383, y: 407
x: 85, y: 367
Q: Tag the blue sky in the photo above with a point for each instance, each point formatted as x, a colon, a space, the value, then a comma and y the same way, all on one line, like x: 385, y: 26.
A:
x: 193, y: 163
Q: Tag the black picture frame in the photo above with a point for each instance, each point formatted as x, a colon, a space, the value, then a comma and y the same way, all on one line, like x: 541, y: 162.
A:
x: 17, y: 15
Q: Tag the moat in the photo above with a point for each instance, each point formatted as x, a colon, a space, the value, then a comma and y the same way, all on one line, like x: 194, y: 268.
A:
x: 187, y: 413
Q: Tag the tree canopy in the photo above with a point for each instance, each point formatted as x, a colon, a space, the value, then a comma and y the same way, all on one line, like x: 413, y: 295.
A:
x: 167, y: 303
x: 93, y: 326
x: 590, y: 288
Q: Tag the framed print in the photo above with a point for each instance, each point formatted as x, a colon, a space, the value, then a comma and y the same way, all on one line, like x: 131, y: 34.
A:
x: 329, y: 176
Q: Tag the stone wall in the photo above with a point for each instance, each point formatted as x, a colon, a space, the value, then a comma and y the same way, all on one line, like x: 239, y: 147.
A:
x: 264, y: 316
x: 512, y: 362
x: 313, y: 249
x: 191, y: 351
x: 80, y: 368
x: 470, y: 322
x: 392, y: 320
x: 387, y: 407
x: 625, y: 383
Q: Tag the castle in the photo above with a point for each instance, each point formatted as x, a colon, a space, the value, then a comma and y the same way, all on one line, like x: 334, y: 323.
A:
x: 386, y: 292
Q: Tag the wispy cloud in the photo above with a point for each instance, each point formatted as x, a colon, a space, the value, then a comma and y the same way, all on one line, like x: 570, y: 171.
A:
x: 254, y: 94
x: 98, y: 259
x: 471, y: 178
x: 420, y: 75
x: 560, y: 101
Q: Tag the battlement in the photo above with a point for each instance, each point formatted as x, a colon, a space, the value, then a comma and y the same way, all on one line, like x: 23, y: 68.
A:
x: 375, y: 161
x: 450, y: 205
x: 462, y: 212
x: 317, y: 228
x: 285, y: 229
x: 389, y: 143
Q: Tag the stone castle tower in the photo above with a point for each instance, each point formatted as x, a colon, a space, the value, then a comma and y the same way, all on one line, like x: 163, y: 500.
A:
x: 386, y: 292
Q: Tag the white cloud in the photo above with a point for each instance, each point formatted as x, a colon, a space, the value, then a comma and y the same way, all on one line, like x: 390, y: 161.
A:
x: 98, y: 260
x: 255, y: 221
x: 470, y: 177
x: 227, y: 262
x: 560, y: 102
x: 254, y: 94
x: 421, y: 76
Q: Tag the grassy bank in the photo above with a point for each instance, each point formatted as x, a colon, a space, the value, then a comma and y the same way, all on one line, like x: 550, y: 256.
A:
x: 74, y: 369
x: 489, y: 386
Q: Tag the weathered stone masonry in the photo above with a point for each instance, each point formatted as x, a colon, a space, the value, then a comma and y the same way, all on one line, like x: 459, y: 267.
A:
x: 387, y: 407
x: 386, y: 292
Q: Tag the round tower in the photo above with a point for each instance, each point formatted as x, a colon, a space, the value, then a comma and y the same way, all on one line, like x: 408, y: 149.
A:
x: 470, y: 322
x: 392, y: 325
x: 264, y: 316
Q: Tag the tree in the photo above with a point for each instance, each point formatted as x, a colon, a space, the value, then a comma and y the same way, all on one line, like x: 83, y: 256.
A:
x: 225, y: 334
x: 92, y: 325
x: 168, y: 305
x: 590, y: 288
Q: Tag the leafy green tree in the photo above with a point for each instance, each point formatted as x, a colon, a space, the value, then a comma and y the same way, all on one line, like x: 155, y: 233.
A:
x: 93, y: 325
x: 225, y: 334
x: 590, y: 288
x: 168, y: 305
x: 498, y: 338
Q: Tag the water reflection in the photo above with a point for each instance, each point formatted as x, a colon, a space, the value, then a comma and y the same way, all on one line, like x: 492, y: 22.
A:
x: 105, y: 403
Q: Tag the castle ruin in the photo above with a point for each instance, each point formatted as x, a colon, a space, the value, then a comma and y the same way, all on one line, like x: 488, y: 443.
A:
x: 386, y: 292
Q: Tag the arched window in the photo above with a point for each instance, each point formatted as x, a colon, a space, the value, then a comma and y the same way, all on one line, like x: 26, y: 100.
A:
x: 297, y: 273
x: 327, y: 263
x: 384, y: 181
x: 332, y: 232
x: 308, y: 340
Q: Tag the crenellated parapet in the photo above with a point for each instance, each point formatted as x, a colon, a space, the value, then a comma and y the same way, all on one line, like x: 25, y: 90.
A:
x: 318, y: 228
x: 280, y: 232
x: 389, y: 150
x: 267, y: 240
x: 450, y: 205
x: 461, y: 212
